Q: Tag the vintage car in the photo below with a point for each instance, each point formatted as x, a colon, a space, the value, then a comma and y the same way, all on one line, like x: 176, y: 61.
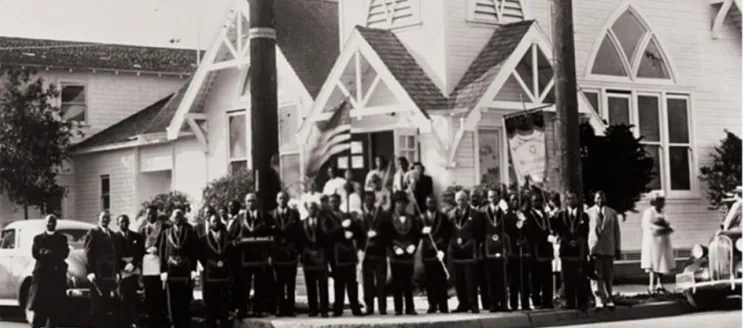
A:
x: 713, y: 272
x: 17, y: 264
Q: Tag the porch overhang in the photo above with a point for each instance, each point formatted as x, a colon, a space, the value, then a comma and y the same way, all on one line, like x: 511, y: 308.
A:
x: 350, y: 79
x: 532, y: 44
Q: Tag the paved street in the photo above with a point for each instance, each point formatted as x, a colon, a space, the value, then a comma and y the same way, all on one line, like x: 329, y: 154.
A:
x: 717, y: 319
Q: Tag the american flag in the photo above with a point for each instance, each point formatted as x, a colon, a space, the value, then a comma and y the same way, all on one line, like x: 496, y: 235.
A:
x: 331, y: 138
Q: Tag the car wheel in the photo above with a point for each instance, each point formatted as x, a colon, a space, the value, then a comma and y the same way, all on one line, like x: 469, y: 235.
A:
x: 705, y: 300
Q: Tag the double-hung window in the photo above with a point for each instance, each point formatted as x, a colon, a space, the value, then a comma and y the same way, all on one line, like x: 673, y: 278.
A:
x: 237, y: 141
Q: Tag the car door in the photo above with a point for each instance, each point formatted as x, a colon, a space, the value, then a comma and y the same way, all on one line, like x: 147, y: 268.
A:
x: 8, y: 240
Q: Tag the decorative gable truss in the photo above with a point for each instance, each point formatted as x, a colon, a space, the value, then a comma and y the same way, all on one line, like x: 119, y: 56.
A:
x: 360, y: 77
x: 524, y: 81
x: 495, y: 11
x: 232, y: 47
x: 389, y: 14
x: 728, y: 8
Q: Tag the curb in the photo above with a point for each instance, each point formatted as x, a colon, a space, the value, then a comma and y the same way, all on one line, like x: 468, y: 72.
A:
x: 535, y: 319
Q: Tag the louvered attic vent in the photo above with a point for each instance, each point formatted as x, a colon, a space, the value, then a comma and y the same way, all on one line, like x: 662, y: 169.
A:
x: 495, y: 11
x: 387, y: 14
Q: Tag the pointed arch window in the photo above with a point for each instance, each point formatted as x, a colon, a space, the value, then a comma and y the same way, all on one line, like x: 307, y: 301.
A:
x: 630, y: 49
x: 390, y: 14
x: 637, y: 88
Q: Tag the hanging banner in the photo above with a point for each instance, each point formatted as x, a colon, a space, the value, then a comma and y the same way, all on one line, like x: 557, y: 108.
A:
x: 525, y: 134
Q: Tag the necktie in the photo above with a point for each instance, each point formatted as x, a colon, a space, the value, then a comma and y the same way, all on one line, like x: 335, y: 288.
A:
x: 600, y: 217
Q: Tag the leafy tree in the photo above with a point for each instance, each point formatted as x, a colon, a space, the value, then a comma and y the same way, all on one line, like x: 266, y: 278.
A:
x: 167, y: 203
x: 233, y: 186
x: 35, y: 141
x: 617, y: 164
x: 725, y: 173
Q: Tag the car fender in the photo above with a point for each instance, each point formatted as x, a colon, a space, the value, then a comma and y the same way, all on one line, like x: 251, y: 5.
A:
x: 693, y: 264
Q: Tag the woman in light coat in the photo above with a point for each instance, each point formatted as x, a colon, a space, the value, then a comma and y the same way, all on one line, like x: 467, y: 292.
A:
x: 657, y: 254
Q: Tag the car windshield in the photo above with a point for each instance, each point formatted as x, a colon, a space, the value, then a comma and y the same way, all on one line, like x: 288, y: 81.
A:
x: 75, y: 237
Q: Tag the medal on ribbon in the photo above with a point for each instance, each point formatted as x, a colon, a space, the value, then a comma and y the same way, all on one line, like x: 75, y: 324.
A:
x: 495, y: 238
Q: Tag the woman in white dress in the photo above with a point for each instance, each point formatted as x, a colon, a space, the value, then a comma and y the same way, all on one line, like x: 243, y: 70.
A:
x: 657, y: 254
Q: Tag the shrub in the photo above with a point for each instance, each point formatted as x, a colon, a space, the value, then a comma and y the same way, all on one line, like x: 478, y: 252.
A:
x: 725, y: 173
x: 233, y: 186
x: 616, y: 163
x: 167, y: 203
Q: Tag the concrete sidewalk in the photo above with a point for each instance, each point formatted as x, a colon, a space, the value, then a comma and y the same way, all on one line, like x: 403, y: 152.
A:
x: 421, y: 304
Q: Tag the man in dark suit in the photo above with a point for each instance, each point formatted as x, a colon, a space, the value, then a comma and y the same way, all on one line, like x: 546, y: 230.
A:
x: 405, y: 235
x: 129, y: 247
x: 422, y: 187
x: 572, y: 228
x: 215, y: 250
x: 520, y: 255
x: 312, y: 244
x: 436, y: 228
x: 284, y: 255
x: 179, y: 254
x: 541, y: 235
x: 155, y: 300
x: 346, y: 235
x: 495, y: 250
x: 50, y: 249
x: 103, y: 270
x: 252, y: 234
x: 463, y: 247
x: 376, y: 226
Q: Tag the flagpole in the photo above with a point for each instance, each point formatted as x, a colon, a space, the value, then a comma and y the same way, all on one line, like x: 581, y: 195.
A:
x: 348, y: 167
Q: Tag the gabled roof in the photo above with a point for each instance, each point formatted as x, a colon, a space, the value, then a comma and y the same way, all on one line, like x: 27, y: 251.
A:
x: 307, y: 34
x: 307, y: 38
x: 89, y: 55
x: 488, y: 64
x: 404, y: 67
x: 153, y: 119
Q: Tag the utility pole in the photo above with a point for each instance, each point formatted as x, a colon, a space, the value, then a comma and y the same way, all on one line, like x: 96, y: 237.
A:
x: 264, y: 117
x: 566, y: 101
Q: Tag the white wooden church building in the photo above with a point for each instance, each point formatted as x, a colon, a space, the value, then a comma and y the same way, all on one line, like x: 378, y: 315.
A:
x: 432, y: 79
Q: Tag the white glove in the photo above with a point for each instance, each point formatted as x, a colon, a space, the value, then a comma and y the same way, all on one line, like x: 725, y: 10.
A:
x: 410, y: 249
x: 398, y: 251
x: 194, y: 275
x: 199, y: 267
x: 360, y: 256
x: 164, y: 276
x: 371, y: 234
x: 348, y: 234
x: 346, y: 223
x: 551, y: 239
x: 129, y: 267
x: 91, y: 277
x: 440, y: 255
x: 426, y: 230
x: 152, y: 250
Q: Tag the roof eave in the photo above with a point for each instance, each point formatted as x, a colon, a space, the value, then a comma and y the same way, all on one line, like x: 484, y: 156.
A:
x: 94, y: 69
x: 139, y: 140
